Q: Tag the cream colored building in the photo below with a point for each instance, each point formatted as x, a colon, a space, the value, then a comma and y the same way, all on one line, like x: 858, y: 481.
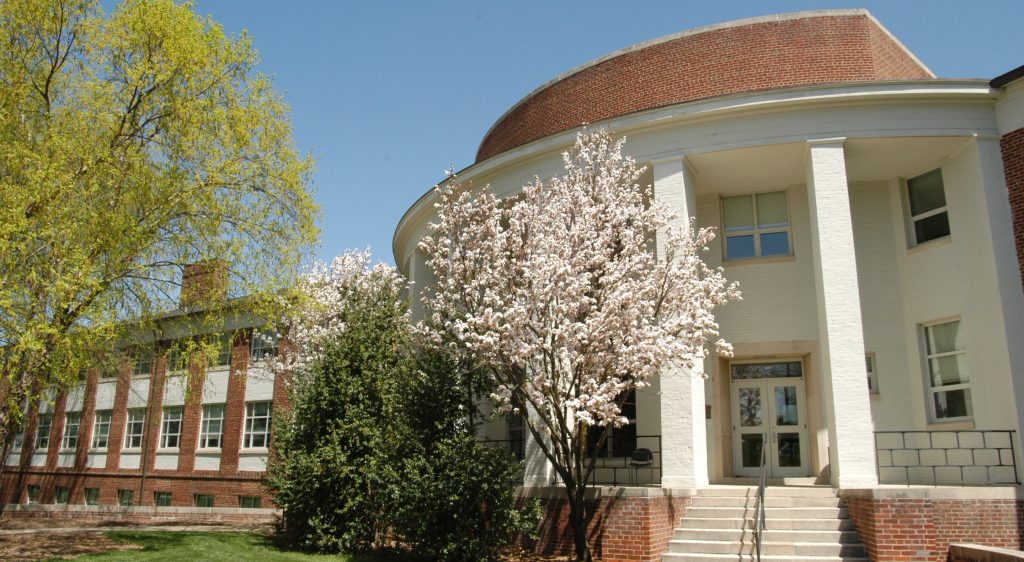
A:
x: 864, y: 212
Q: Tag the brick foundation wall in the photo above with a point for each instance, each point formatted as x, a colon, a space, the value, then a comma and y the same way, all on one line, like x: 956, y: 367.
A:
x: 923, y: 528
x: 1012, y: 147
x: 623, y: 528
x: 765, y: 55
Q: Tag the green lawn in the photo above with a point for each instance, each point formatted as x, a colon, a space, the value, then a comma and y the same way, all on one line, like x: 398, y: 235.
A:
x: 224, y: 546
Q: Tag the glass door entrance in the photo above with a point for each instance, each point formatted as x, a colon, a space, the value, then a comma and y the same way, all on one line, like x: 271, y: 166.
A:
x: 768, y: 411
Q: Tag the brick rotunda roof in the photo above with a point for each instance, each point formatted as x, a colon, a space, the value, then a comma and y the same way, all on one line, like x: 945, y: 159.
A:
x: 781, y: 51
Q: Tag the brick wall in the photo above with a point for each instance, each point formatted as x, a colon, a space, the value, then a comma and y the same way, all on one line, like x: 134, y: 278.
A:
x: 744, y: 58
x: 1012, y: 146
x: 623, y: 528
x: 923, y: 528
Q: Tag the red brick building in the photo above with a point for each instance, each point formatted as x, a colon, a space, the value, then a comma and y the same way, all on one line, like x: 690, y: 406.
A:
x: 166, y: 429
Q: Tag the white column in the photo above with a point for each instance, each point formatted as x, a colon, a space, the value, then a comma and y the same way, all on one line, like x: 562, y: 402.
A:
x: 840, y: 332
x: 684, y: 449
x: 537, y: 470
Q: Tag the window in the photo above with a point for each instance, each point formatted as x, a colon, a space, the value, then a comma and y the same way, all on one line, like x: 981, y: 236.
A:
x: 32, y: 491
x: 92, y: 496
x: 60, y: 495
x: 212, y: 427
x: 170, y: 428
x: 203, y: 500
x: 620, y: 441
x: 143, y: 364
x: 134, y: 428
x: 162, y: 499
x: 18, y: 442
x: 249, y: 502
x: 224, y: 344
x: 177, y: 358
x: 927, y: 202
x: 264, y: 345
x: 257, y: 425
x: 126, y: 497
x: 516, y: 429
x: 756, y: 225
x: 872, y: 377
x: 43, y: 431
x: 947, y: 372
x: 101, y: 429
x: 71, y: 422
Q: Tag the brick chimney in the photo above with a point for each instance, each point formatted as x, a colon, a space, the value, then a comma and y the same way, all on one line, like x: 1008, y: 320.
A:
x: 205, y: 281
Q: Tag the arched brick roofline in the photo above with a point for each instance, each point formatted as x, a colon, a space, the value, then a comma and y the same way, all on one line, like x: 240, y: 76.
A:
x: 804, y: 48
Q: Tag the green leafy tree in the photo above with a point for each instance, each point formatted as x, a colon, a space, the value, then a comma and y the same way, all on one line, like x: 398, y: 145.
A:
x: 131, y: 144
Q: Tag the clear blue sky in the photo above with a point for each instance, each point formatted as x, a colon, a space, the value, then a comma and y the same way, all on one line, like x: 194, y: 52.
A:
x: 388, y: 94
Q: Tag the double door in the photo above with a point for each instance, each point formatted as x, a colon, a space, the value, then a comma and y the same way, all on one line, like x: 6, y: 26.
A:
x: 769, y: 415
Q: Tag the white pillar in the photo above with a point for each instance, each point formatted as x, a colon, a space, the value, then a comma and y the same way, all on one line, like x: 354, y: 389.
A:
x: 537, y: 470
x: 840, y: 332
x: 684, y: 450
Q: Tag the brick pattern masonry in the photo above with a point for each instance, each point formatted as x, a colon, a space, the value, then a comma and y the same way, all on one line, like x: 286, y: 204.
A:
x: 1012, y: 146
x: 923, y: 529
x: 746, y: 58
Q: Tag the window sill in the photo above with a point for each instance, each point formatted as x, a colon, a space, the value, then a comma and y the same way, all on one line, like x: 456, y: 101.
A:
x: 875, y: 396
x: 924, y: 246
x: 97, y: 450
x: 208, y: 451
x: 960, y: 424
x: 759, y: 261
x: 132, y: 450
x: 254, y: 451
x: 168, y: 450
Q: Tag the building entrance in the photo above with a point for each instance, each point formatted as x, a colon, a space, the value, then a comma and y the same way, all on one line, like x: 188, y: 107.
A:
x: 768, y: 411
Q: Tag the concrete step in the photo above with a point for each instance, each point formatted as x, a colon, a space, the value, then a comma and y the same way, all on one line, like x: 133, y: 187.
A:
x: 769, y: 501
x: 769, y: 548
x: 694, y: 522
x: 770, y: 535
x: 697, y: 557
x: 770, y: 512
x: 770, y: 491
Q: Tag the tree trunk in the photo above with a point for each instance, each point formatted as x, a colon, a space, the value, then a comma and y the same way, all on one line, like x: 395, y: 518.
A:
x: 578, y: 522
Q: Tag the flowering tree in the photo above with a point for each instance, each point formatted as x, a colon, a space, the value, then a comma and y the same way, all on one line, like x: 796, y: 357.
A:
x: 559, y: 296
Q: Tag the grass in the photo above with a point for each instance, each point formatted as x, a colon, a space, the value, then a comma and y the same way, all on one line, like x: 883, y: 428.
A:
x: 217, y: 546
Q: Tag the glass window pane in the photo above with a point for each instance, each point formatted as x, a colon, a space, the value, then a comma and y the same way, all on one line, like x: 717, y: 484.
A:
x: 751, y: 444
x: 775, y: 244
x: 750, y: 407
x: 944, y: 338
x: 771, y: 210
x: 738, y: 213
x: 948, y: 370
x: 786, y: 406
x: 739, y: 247
x: 931, y: 228
x: 953, y: 404
x: 789, y: 449
x: 926, y: 193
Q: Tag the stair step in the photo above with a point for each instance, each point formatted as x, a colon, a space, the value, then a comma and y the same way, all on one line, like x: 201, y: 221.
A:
x: 694, y: 522
x: 770, y: 535
x: 770, y: 548
x: 769, y: 501
x: 697, y: 557
x: 770, y: 512
x: 781, y: 491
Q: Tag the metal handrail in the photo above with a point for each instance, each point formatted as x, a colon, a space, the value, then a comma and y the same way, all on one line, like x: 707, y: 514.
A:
x: 759, y: 516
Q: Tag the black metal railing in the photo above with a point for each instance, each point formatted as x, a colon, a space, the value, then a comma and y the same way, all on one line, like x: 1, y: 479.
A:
x: 983, y: 457
x: 759, y: 515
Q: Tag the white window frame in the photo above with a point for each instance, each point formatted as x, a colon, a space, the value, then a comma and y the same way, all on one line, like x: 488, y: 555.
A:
x: 206, y: 436
x: 135, y: 417
x: 225, y: 342
x: 43, y: 437
x: 248, y: 434
x: 18, y: 443
x: 69, y: 439
x: 912, y: 219
x: 932, y: 390
x: 101, y: 428
x: 756, y: 231
x: 142, y: 362
x: 263, y: 344
x: 170, y: 427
